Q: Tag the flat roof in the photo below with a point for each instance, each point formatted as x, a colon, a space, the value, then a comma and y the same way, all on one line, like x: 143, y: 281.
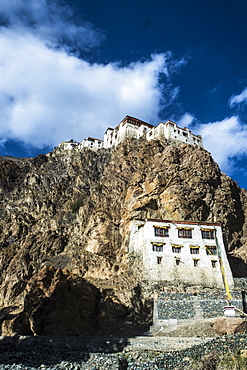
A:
x: 184, y: 222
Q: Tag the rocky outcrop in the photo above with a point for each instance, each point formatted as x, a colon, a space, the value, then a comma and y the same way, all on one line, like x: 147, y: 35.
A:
x: 67, y: 214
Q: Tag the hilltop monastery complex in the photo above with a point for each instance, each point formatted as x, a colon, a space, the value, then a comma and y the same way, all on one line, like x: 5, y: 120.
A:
x: 131, y: 127
x: 173, y: 251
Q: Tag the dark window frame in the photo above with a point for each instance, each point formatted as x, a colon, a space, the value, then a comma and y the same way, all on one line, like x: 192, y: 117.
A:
x: 157, y: 248
x: 185, y: 233
x: 176, y: 249
x: 159, y: 260
x: 211, y: 250
x: 208, y: 234
x: 161, y: 231
x: 194, y: 250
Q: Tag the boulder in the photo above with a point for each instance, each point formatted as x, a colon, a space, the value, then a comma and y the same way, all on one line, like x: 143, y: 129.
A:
x: 229, y: 325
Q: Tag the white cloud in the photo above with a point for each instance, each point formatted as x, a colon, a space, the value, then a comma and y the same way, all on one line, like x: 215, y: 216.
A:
x: 225, y: 139
x: 238, y: 99
x: 186, y: 120
x: 48, y: 95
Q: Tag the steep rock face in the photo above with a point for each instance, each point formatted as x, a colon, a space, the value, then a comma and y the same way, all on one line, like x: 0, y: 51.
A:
x: 71, y: 211
x: 59, y: 303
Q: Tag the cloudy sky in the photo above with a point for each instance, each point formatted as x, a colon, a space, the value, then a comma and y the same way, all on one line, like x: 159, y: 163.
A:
x: 70, y: 69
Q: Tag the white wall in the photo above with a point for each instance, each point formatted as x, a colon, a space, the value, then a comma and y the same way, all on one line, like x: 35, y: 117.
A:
x: 204, y: 273
x: 168, y: 130
x: 68, y: 145
x: 91, y: 144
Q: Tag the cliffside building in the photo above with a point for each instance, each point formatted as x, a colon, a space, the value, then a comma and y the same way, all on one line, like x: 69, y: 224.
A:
x: 181, y: 251
x: 131, y: 127
x: 91, y: 143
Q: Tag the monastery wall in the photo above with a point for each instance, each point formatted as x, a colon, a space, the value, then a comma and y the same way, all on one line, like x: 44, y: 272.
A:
x: 180, y: 252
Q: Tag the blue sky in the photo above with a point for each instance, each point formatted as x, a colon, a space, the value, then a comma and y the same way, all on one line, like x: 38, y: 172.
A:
x: 70, y: 69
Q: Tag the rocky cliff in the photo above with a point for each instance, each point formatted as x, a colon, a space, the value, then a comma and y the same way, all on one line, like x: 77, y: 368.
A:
x: 64, y: 262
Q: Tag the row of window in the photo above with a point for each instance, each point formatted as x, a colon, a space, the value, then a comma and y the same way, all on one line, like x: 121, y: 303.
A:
x: 211, y: 250
x: 195, y: 262
x: 183, y: 233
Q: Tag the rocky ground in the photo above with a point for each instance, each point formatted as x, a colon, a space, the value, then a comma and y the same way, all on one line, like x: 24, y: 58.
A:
x: 108, y: 354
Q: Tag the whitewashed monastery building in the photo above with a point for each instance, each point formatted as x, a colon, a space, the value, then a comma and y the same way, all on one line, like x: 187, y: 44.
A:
x: 181, y: 251
x: 131, y: 127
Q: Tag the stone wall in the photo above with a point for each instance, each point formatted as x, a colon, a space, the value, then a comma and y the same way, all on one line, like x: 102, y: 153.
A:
x: 207, y: 304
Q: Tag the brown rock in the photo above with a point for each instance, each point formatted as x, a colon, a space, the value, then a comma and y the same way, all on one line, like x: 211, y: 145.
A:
x: 69, y: 212
x: 59, y: 303
x: 229, y: 325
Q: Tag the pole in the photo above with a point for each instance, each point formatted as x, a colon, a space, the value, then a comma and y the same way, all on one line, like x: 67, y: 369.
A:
x: 228, y: 293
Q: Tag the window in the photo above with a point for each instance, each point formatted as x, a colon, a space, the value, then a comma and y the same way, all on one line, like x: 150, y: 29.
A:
x: 176, y: 248
x: 185, y: 233
x: 185, y: 134
x: 161, y: 231
x: 159, y: 260
x: 157, y: 247
x: 213, y: 263
x: 177, y: 261
x: 207, y: 233
x: 194, y: 250
x: 211, y: 250
x: 196, y: 262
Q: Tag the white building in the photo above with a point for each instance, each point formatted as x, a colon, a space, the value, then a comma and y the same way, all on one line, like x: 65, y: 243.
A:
x: 91, y: 143
x: 181, y: 251
x: 131, y: 127
x: 68, y: 145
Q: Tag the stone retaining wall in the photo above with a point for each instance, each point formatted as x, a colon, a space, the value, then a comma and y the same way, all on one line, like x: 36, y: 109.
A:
x: 182, y: 306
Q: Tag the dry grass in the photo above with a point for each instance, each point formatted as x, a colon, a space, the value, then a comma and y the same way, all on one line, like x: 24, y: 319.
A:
x: 217, y: 361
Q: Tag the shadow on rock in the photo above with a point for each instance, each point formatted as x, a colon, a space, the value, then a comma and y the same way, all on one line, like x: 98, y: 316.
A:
x: 58, y: 303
